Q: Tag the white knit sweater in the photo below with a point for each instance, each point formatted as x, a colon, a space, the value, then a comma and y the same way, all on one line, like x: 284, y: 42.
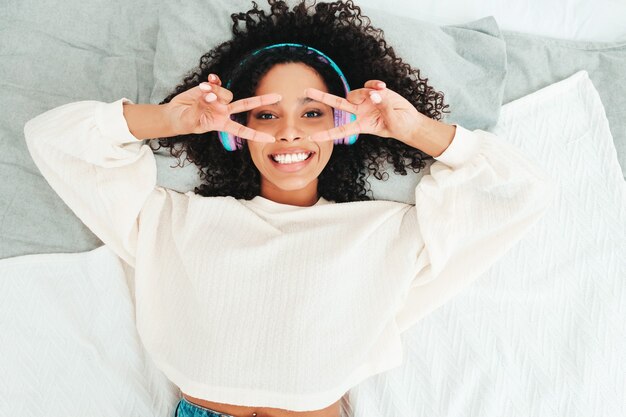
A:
x: 257, y: 303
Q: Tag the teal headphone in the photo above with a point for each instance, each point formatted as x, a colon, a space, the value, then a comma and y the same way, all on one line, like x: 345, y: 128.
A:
x: 341, y: 117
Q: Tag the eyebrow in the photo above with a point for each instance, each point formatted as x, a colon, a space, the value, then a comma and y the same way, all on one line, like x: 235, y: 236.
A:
x: 301, y: 101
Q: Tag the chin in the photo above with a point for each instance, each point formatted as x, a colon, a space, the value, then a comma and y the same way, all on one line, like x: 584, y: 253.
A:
x: 291, y: 184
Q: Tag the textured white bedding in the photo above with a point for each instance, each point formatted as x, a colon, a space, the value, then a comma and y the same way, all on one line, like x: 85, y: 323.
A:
x: 597, y: 20
x: 541, y: 334
x: 69, y: 344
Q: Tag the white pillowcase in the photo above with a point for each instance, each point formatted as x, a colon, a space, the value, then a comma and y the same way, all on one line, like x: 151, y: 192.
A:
x: 598, y: 20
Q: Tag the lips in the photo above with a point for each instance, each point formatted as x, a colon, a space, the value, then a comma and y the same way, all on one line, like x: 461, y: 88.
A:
x: 308, y: 154
x: 287, y: 151
x: 296, y: 166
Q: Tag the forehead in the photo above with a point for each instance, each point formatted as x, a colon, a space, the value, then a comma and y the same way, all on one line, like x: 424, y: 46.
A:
x: 290, y: 79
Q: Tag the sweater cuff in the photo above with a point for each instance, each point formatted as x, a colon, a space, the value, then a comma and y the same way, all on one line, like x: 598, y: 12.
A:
x: 463, y: 147
x: 112, y: 123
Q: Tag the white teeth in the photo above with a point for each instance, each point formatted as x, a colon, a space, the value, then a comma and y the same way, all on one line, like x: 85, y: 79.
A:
x: 290, y: 158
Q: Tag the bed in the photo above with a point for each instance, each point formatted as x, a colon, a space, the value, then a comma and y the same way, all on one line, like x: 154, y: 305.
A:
x: 540, y: 334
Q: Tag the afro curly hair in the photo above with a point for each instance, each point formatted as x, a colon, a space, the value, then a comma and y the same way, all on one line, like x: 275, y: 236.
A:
x: 340, y: 31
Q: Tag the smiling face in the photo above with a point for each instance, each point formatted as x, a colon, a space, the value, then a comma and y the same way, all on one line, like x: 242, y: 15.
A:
x: 290, y: 121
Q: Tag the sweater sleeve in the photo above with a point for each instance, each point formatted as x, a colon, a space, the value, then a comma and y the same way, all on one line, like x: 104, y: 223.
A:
x: 103, y: 173
x: 481, y: 197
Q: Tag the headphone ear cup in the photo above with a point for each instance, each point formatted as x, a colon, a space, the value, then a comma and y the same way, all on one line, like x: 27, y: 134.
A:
x: 341, y: 118
x: 226, y: 140
x: 338, y: 121
x: 229, y: 141
x: 349, y: 118
x: 241, y: 119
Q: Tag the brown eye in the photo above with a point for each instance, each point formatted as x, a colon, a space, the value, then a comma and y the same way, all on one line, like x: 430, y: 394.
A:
x: 320, y: 114
x: 260, y: 116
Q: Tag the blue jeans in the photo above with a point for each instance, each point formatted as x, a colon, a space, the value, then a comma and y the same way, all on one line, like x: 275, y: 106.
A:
x: 187, y: 409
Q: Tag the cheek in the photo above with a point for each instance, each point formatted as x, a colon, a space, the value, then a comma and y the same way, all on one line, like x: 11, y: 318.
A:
x: 328, y: 151
x: 256, y: 154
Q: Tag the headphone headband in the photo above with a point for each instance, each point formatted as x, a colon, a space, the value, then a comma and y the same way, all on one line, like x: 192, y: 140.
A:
x: 341, y: 117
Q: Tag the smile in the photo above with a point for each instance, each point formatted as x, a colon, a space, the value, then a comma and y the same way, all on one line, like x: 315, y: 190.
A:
x: 288, y: 165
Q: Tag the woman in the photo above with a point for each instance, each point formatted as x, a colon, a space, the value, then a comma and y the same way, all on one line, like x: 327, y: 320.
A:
x: 277, y: 285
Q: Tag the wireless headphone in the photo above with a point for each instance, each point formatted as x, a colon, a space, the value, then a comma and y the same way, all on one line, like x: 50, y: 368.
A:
x: 341, y: 117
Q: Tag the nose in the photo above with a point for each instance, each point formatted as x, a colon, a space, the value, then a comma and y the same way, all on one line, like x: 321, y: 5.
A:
x: 289, y: 132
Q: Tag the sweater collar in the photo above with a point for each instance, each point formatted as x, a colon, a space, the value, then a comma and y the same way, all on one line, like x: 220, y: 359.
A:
x: 270, y: 203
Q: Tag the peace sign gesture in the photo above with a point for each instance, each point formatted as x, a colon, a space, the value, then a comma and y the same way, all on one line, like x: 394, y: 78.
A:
x: 208, y: 107
x: 379, y: 111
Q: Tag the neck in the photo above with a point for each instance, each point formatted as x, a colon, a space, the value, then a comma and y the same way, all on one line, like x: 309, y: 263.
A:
x: 305, y: 197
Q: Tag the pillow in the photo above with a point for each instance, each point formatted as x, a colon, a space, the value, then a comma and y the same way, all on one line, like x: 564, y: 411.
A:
x: 535, y: 62
x: 53, y: 53
x: 598, y: 20
x: 466, y: 62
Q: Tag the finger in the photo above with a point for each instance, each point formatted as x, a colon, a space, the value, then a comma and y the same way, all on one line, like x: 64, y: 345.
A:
x: 375, y: 84
x: 337, y: 132
x: 358, y: 96
x: 247, y: 133
x: 210, y: 98
x: 332, y: 100
x: 376, y: 97
x: 224, y: 96
x: 213, y: 78
x: 379, y: 98
x: 248, y: 103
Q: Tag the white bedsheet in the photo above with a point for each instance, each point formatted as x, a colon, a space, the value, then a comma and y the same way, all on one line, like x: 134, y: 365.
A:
x: 589, y: 20
x: 69, y: 346
x: 541, y: 334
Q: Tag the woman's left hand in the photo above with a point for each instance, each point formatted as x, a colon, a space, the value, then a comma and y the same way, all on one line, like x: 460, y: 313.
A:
x: 392, y: 116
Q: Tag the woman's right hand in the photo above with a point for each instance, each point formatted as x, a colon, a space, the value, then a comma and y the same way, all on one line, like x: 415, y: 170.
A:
x: 191, y: 111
